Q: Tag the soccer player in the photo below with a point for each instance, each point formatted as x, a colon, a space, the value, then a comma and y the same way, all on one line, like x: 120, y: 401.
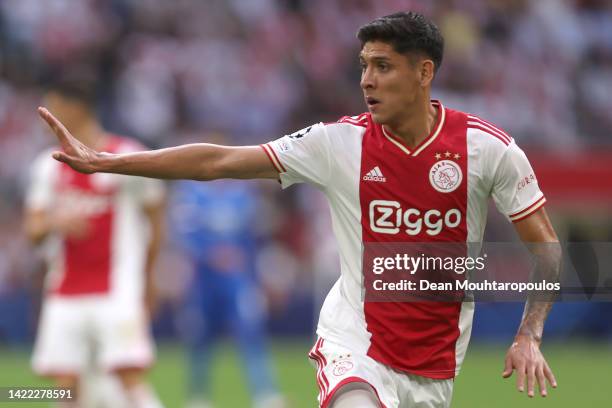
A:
x: 213, y: 225
x: 101, y: 234
x: 387, y: 160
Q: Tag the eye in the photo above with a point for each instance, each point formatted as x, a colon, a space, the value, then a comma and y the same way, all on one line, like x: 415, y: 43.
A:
x: 383, y: 66
x: 363, y: 66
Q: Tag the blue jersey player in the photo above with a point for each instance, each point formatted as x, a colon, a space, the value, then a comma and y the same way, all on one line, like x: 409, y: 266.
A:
x: 213, y: 224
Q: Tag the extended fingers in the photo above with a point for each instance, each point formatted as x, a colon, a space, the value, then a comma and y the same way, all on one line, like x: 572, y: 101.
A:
x: 520, y: 377
x: 549, y: 375
x: 49, y: 118
x: 541, y: 381
x: 530, y: 368
x: 531, y: 379
x: 535, y: 372
x: 507, y: 367
x: 61, y: 156
x: 58, y: 128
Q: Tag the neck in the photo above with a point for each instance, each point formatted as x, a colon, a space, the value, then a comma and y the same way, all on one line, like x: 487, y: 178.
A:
x: 417, y: 124
x: 90, y: 133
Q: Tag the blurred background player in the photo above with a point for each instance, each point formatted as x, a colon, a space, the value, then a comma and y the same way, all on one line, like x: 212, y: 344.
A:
x: 214, y: 226
x: 101, y: 235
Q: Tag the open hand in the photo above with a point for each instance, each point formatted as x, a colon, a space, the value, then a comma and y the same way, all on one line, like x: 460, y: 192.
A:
x: 525, y: 357
x: 75, y: 154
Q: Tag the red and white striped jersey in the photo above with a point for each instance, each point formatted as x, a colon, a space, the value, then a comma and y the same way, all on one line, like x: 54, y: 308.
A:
x: 441, y: 187
x: 110, y: 259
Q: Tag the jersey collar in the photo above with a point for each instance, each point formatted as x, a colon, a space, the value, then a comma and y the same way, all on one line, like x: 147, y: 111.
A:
x: 435, y: 132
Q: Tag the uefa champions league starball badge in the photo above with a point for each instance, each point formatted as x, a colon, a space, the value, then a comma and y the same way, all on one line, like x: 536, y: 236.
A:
x: 445, y: 176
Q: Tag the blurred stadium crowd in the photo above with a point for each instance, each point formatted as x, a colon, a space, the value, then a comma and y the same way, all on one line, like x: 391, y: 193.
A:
x: 172, y: 72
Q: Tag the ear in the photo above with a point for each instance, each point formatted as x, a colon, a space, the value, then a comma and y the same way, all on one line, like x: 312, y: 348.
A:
x: 426, y: 71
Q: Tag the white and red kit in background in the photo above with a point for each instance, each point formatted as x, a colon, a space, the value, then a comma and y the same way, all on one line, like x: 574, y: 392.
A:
x: 94, y: 289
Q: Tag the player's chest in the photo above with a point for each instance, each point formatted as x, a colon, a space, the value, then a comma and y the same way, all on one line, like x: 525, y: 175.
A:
x: 88, y: 195
x: 414, y: 195
x: 435, y: 177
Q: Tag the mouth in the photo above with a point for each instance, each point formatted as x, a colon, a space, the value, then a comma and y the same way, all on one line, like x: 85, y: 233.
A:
x: 371, y: 101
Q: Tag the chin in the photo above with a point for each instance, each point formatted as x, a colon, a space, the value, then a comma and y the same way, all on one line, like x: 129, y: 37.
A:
x: 377, y: 118
x: 380, y: 120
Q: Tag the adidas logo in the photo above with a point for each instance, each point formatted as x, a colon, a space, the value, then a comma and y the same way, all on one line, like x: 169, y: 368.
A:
x: 375, y: 175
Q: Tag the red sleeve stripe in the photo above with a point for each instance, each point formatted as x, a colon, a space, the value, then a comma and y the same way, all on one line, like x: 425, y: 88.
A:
x: 273, y: 158
x: 351, y: 121
x: 359, y: 118
x: 475, y: 125
x: 277, y: 159
x: 490, y: 127
x: 521, y: 215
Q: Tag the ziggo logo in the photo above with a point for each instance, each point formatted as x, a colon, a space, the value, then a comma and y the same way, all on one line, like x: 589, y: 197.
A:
x: 387, y: 217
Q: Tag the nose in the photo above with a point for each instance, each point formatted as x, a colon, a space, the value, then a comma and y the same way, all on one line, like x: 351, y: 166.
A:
x: 367, y: 79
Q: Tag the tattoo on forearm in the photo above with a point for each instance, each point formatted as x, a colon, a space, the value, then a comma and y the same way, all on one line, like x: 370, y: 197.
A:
x: 548, y: 261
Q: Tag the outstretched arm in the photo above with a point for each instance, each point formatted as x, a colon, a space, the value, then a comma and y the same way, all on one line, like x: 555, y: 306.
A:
x: 524, y: 355
x: 200, y: 161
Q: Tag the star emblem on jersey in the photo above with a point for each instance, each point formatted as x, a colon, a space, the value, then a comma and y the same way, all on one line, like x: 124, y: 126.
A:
x: 445, y: 176
x: 449, y: 155
x: 375, y: 175
x: 300, y: 133
x: 342, y: 365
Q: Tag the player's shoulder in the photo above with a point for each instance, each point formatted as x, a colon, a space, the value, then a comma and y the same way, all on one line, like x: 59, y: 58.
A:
x: 361, y: 120
x: 486, y: 132
x: 349, y: 125
x: 344, y: 127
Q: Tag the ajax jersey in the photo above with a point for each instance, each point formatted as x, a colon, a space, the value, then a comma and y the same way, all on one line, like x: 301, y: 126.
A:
x: 381, y: 190
x: 110, y: 258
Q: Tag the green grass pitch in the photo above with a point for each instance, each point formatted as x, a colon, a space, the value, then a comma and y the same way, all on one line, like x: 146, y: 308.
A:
x: 583, y: 371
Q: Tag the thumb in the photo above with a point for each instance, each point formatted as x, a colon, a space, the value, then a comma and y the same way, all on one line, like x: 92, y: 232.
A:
x: 61, y: 156
x: 507, y: 368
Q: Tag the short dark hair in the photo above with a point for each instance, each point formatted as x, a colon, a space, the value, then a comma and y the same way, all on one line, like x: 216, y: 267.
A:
x: 407, y: 32
x: 77, y: 84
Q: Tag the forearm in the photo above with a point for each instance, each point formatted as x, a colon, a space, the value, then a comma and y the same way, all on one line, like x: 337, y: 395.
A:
x: 199, y: 161
x: 548, y: 258
x: 152, y: 255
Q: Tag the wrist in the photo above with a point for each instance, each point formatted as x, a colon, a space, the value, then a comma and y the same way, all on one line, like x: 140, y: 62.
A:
x: 102, y: 161
x: 522, y: 336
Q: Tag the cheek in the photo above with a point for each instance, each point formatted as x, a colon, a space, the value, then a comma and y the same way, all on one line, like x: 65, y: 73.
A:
x: 408, y: 90
x: 400, y: 92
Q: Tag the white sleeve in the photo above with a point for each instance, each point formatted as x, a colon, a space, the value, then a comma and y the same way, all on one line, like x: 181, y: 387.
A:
x: 515, y: 188
x: 40, y: 191
x: 302, y: 157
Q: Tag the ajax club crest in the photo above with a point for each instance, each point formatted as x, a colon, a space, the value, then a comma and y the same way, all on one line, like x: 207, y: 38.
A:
x: 445, y: 176
x: 342, y: 365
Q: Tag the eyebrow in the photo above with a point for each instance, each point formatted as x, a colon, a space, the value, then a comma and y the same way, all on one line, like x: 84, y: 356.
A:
x: 376, y: 58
